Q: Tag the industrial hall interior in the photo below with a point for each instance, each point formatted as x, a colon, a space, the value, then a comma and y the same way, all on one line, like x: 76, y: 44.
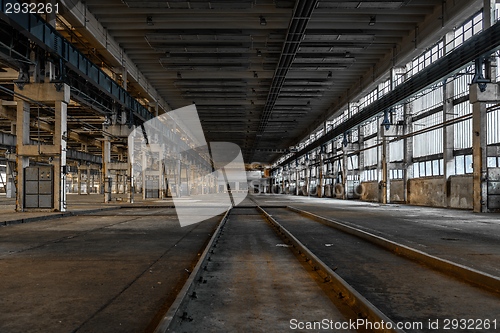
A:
x: 249, y: 166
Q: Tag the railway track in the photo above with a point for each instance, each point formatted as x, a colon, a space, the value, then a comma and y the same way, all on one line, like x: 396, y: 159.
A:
x: 375, y: 284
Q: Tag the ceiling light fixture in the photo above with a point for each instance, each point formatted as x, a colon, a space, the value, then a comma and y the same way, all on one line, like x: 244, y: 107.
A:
x: 373, y: 20
x: 149, y: 20
x: 262, y: 20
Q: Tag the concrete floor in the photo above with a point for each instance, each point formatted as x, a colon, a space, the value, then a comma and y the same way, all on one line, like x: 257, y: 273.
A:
x: 404, y: 290
x: 471, y: 239
x: 117, y: 270
x: 110, y: 271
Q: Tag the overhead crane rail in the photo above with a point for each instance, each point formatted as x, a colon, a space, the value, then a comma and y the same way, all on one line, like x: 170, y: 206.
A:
x: 45, y: 36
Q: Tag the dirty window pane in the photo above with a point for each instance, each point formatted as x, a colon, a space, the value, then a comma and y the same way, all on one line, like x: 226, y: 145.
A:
x: 460, y: 164
x: 468, y: 163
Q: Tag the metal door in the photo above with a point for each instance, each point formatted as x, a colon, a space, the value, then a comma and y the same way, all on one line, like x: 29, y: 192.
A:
x: 39, y: 187
x: 152, y: 187
x: 494, y: 189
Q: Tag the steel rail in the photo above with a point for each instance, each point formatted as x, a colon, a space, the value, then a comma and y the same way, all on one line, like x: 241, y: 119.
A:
x: 468, y: 274
x: 178, y: 305
x: 351, y: 296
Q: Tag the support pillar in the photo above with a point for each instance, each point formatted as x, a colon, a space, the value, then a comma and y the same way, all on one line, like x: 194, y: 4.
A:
x: 162, y: 183
x: 79, y: 174
x: 344, y: 173
x: 60, y: 135
x: 320, y: 185
x: 10, y: 191
x: 55, y: 152
x: 143, y: 173
x: 408, y: 151
x: 307, y: 177
x: 448, y: 131
x: 106, y: 173
x: 479, y: 157
x: 88, y: 180
x: 478, y: 98
x: 448, y: 141
x: 23, y: 131
x: 386, y: 181
x: 297, y: 180
x: 178, y: 179
x: 130, y: 160
x: 481, y: 92
x: 361, y: 158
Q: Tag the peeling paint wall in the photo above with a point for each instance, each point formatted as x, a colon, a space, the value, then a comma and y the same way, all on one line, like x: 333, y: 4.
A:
x: 370, y: 191
x: 461, y: 190
x: 426, y: 192
x: 397, y: 191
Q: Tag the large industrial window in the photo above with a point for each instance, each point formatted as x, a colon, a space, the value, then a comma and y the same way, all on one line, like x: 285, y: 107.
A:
x: 371, y: 154
x: 425, y: 130
x: 493, y: 119
x: 396, y: 174
x: 431, y: 142
x: 428, y: 168
x: 396, y: 151
x: 463, y: 164
x: 462, y: 130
